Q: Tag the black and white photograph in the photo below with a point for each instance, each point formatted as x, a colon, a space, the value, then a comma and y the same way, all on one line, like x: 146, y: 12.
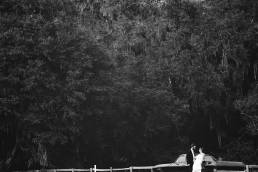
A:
x: 128, y: 85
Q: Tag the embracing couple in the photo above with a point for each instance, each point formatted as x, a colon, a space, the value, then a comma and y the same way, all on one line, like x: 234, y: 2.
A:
x: 195, y: 160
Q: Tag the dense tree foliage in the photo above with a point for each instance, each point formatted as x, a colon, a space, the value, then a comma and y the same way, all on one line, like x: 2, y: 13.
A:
x: 126, y: 82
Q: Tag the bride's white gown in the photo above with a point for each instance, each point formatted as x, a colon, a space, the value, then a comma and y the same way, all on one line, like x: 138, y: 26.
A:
x: 197, y: 166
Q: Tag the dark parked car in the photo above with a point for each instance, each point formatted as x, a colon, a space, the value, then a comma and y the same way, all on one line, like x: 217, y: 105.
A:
x: 208, y: 160
x: 211, y: 164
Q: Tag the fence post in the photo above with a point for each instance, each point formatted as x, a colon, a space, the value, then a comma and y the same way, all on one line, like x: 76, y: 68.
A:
x: 90, y: 169
x: 72, y: 170
x: 111, y: 169
x: 131, y: 169
x: 247, y: 168
x: 95, y: 168
x: 151, y: 169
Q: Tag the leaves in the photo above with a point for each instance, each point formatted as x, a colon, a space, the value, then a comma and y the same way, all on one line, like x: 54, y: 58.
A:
x: 108, y: 82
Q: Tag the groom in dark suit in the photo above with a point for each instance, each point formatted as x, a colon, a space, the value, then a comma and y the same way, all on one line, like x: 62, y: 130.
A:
x: 189, y: 157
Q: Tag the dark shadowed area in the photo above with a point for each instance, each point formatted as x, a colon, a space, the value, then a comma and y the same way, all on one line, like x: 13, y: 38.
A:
x: 126, y: 82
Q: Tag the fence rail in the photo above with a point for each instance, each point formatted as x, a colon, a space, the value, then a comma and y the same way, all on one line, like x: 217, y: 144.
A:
x: 249, y: 168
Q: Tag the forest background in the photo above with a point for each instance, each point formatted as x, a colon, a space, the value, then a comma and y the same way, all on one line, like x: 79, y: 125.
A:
x: 126, y: 82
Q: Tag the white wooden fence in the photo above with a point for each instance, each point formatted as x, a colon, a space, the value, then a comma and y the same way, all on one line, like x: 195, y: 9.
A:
x: 249, y: 168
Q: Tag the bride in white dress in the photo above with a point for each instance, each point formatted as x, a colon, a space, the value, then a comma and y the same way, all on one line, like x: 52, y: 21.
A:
x: 198, y: 159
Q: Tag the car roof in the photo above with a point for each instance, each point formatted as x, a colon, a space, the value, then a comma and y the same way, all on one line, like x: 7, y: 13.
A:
x: 182, y: 158
x: 230, y: 163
